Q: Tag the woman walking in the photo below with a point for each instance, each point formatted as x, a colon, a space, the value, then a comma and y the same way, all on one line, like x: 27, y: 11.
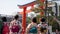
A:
x: 14, y: 25
x: 42, y: 27
x: 32, y: 27
x: 5, y: 26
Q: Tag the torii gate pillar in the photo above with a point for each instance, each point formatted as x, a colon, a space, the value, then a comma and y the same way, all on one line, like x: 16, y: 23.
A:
x: 24, y: 20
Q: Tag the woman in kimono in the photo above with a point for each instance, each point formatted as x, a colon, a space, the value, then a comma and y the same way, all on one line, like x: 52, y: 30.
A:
x: 42, y: 27
x: 32, y: 27
x: 14, y: 25
x: 5, y: 26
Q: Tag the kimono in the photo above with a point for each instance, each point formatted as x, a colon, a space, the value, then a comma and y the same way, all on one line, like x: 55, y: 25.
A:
x: 15, y: 27
x: 5, y: 28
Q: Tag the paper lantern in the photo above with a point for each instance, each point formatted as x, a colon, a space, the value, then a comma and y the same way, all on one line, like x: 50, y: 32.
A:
x: 41, y: 13
x: 42, y: 0
x: 42, y: 7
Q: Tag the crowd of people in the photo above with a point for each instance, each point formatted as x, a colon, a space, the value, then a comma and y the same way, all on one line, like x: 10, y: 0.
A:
x: 34, y: 28
x: 14, y: 27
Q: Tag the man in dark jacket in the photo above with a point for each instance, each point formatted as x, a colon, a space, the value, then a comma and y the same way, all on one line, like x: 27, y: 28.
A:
x: 1, y: 26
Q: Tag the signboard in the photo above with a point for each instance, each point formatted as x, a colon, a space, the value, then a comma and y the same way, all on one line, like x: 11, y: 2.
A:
x: 49, y: 0
x: 51, y: 4
x: 55, y: 0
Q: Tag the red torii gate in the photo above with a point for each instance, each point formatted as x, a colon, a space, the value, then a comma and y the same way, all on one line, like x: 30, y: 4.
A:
x: 24, y: 14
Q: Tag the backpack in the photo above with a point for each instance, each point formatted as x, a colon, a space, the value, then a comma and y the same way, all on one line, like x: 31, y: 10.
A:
x: 15, y: 28
x: 33, y: 29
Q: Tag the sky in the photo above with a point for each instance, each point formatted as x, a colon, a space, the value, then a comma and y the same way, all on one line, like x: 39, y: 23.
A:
x: 10, y: 7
